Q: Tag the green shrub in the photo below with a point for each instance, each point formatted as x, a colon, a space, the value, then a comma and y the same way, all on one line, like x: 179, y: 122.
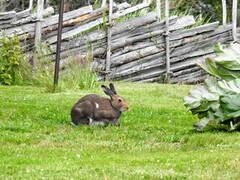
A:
x: 10, y: 55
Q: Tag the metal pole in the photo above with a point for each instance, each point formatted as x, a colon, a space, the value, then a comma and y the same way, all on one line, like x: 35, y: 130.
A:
x: 59, y: 37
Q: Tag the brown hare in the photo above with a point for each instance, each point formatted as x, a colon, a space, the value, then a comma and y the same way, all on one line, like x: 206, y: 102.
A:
x: 94, y: 109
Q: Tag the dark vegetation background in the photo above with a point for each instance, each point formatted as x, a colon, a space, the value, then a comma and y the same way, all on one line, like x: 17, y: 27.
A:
x: 210, y: 8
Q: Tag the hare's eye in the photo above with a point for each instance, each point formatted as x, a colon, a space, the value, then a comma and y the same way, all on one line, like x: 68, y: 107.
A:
x: 119, y: 100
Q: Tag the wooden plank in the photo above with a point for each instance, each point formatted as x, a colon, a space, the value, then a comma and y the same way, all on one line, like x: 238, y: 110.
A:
x: 137, y: 46
x: 23, y: 14
x: 190, y: 78
x: 177, y: 51
x: 123, y: 12
x: 67, y: 16
x: 145, y: 63
x: 72, y: 22
x: 142, y: 29
x: 6, y: 23
x: 135, y: 55
x: 185, y: 71
x: 129, y: 10
x: 183, y: 22
x: 132, y: 24
x: 32, y: 18
x: 7, y: 15
x: 194, y: 31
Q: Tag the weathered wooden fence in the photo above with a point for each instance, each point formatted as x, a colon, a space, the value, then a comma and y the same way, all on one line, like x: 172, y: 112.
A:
x: 138, y: 46
x: 138, y: 51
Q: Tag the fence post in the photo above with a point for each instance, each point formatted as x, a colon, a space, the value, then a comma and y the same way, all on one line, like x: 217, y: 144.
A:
x: 159, y: 10
x: 234, y: 20
x: 30, y: 5
x: 109, y: 38
x: 38, y: 30
x: 224, y: 10
x: 168, y: 73
x: 103, y: 3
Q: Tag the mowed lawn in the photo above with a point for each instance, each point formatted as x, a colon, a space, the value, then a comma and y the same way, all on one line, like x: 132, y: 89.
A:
x: 155, y: 139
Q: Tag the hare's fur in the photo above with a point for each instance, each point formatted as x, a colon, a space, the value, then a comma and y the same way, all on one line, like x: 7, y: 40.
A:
x: 94, y: 109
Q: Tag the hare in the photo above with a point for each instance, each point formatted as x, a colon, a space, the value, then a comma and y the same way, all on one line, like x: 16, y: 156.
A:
x: 94, y: 109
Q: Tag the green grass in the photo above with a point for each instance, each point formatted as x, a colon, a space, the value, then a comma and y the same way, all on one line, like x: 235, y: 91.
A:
x: 154, y: 141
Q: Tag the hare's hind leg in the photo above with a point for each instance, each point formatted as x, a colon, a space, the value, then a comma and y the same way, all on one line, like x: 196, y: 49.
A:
x: 81, y: 112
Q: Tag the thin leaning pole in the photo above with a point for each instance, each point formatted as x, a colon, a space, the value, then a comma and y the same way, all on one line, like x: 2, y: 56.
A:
x: 59, y: 37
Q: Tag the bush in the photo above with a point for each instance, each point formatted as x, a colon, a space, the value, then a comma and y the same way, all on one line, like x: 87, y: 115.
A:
x: 10, y: 55
x: 217, y: 101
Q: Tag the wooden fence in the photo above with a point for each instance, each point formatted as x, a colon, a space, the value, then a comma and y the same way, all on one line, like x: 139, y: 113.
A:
x: 138, y: 46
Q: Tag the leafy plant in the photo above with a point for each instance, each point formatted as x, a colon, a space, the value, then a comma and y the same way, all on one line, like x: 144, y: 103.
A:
x: 10, y: 55
x: 226, y: 66
x: 217, y: 101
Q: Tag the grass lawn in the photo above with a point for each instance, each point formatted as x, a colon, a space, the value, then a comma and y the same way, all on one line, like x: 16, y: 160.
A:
x: 154, y: 141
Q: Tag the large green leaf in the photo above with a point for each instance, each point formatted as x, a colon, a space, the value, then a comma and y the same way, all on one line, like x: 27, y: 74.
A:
x: 209, y: 66
x: 231, y: 105
x: 226, y: 65
x: 215, y: 102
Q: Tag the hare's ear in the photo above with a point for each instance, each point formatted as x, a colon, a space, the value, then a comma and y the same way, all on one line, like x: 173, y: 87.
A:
x: 112, y: 88
x: 107, y: 91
